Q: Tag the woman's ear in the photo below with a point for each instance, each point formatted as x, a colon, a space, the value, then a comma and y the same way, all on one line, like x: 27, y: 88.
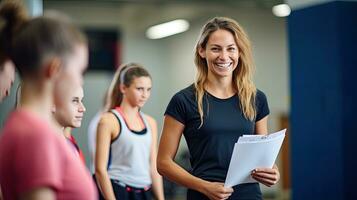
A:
x: 202, y: 52
x: 122, y: 88
x: 52, y: 68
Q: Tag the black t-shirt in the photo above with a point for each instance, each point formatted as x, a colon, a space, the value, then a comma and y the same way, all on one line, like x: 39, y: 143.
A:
x: 211, y: 146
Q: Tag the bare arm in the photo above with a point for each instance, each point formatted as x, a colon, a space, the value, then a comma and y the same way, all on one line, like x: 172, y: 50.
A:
x: 169, y: 142
x: 39, y: 193
x: 157, y: 184
x: 266, y: 176
x: 261, y: 126
x: 107, y: 128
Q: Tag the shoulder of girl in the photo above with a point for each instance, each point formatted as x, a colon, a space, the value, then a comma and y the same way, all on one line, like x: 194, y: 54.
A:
x: 107, y: 117
x: 150, y: 119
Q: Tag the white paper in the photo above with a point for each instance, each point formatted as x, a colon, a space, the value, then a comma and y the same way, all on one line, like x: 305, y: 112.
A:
x: 251, y: 152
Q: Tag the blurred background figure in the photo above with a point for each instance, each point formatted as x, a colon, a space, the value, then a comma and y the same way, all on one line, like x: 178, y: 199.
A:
x: 126, y: 144
x: 69, y: 114
x: 92, y: 130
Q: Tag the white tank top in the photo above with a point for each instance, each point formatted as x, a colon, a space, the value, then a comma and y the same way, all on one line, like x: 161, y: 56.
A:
x: 129, y: 156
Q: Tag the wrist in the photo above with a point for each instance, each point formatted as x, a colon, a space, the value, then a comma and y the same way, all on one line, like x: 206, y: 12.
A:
x: 201, y: 186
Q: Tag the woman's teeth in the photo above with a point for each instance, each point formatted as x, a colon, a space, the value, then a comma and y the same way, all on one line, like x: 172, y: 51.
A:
x: 223, y: 65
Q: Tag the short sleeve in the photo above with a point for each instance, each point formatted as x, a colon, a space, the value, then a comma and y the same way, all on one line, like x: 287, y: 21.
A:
x: 261, y: 105
x: 177, y: 108
x: 38, y: 162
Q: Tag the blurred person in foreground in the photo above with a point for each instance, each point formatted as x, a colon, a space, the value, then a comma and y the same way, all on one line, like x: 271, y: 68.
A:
x: 35, y: 160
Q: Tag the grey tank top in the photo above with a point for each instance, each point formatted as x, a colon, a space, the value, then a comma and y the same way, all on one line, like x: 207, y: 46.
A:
x: 129, y: 156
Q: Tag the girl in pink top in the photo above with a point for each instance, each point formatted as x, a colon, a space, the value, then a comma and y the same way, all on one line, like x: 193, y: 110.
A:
x: 35, y: 160
x: 69, y: 115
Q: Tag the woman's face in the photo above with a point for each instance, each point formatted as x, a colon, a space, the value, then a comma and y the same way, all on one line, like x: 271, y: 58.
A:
x: 7, y: 77
x: 138, y: 92
x: 70, y: 75
x: 221, y: 54
x: 70, y: 112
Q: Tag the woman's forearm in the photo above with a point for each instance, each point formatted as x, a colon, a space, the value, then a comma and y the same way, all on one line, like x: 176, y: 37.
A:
x: 104, y: 184
x: 157, y: 185
x: 174, y: 172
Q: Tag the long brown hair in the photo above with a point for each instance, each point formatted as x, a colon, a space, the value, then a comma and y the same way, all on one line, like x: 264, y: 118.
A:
x: 125, y: 74
x: 242, y: 75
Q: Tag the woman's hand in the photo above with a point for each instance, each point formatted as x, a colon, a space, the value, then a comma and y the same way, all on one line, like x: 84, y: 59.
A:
x: 266, y: 176
x: 217, y: 191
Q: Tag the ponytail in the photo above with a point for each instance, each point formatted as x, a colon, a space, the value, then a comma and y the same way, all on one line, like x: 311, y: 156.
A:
x: 13, y: 16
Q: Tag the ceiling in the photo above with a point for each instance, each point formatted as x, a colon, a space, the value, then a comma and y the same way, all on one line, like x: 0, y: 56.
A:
x: 145, y: 13
x: 262, y: 4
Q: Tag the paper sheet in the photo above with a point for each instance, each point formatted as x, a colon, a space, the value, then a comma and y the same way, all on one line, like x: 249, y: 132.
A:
x: 250, y: 152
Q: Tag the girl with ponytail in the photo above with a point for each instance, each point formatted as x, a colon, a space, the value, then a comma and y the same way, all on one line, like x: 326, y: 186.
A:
x: 125, y: 161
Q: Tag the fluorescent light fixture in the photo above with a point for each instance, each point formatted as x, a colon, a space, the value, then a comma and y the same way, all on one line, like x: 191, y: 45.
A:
x: 281, y: 10
x: 167, y: 29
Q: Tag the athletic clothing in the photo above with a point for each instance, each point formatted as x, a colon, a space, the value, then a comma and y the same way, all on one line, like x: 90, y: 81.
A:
x: 76, y: 148
x: 129, y: 159
x: 33, y: 155
x: 211, y: 145
x: 126, y: 192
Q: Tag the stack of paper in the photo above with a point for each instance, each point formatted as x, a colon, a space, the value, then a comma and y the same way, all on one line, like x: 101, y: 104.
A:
x: 251, y: 152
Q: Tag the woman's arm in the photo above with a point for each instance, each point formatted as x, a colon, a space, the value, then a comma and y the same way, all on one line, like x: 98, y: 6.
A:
x: 261, y: 126
x: 39, y: 193
x: 266, y: 176
x: 105, y: 132
x: 169, y: 142
x: 157, y: 185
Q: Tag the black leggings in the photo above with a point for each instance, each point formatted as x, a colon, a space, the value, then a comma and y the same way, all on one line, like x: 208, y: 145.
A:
x: 126, y: 192
x: 248, y: 191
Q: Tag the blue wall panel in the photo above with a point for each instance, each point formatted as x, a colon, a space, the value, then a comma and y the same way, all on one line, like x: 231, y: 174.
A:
x: 322, y: 41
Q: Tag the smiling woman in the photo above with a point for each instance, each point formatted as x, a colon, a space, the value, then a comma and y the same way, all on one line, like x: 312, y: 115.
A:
x: 221, y: 54
x: 222, y: 105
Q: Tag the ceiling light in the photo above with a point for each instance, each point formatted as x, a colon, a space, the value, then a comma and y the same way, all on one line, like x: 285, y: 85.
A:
x: 167, y: 29
x: 281, y: 10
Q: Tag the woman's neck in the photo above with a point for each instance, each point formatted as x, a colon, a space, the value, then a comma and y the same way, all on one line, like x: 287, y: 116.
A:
x: 221, y: 88
x: 67, y: 132
x: 37, y: 98
x: 128, y: 109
